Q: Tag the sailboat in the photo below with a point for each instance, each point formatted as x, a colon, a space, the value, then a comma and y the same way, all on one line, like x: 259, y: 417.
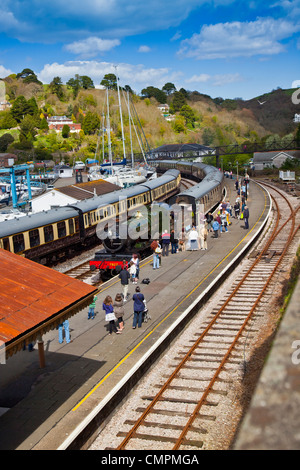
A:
x: 120, y: 174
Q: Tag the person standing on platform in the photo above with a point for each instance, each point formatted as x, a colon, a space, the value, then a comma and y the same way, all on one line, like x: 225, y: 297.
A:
x: 236, y: 210
x: 64, y: 325
x: 156, y: 248
x: 203, y: 237
x: 135, y: 259
x: 91, y: 312
x: 124, y: 276
x: 165, y: 240
x: 193, y: 239
x: 246, y: 217
x: 138, y: 308
x: 132, y: 271
x: 216, y: 227
x: 224, y: 222
x: 119, y: 310
x: 174, y: 242
x: 109, y: 314
x: 209, y: 219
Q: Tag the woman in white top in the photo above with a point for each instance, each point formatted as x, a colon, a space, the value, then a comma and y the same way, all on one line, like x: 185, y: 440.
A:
x: 193, y: 239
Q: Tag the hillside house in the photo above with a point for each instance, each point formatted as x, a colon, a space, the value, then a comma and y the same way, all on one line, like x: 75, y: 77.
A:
x: 7, y: 159
x: 58, y: 122
x: 4, y: 104
x: 276, y: 159
x: 164, y: 108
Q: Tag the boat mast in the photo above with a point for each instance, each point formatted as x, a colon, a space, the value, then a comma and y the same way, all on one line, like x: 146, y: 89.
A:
x: 121, y: 117
x: 129, y: 116
x: 108, y: 133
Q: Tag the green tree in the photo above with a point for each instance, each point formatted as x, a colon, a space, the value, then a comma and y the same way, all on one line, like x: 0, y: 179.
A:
x: 86, y: 82
x: 169, y: 88
x: 188, y: 114
x: 91, y: 123
x: 5, y: 141
x: 7, y: 121
x: 178, y: 101
x: 32, y: 106
x: 208, y: 136
x: 153, y: 92
x: 44, y: 124
x: 65, y: 131
x: 109, y: 81
x: 74, y: 83
x: 20, y: 108
x: 56, y: 87
x: 28, y: 76
x: 28, y: 128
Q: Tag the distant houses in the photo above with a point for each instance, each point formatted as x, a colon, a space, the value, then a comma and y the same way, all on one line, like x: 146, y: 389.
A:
x: 58, y: 122
x: 165, y: 111
x: 5, y: 105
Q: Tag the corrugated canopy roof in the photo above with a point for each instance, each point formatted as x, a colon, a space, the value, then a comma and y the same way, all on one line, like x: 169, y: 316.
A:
x: 34, y: 299
x: 82, y: 191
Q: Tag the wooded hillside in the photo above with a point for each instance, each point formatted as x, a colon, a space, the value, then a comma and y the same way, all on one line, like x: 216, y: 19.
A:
x: 194, y: 117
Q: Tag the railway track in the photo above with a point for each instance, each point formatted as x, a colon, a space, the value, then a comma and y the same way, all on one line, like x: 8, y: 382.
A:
x: 82, y: 272
x: 183, y: 403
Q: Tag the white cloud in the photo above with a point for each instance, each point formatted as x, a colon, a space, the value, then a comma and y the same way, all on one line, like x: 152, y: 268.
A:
x: 4, y: 72
x: 202, y: 78
x: 144, y: 49
x: 215, y: 80
x: 91, y: 46
x: 239, y: 39
x: 137, y: 76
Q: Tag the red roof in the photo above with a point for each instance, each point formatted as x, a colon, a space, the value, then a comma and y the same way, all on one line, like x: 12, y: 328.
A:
x: 33, y: 297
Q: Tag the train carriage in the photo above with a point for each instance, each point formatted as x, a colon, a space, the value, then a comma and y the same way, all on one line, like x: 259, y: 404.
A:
x: 48, y: 235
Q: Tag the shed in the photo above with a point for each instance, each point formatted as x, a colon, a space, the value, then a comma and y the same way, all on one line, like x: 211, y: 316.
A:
x: 72, y: 194
x: 63, y: 171
x: 272, y: 159
x: 34, y: 300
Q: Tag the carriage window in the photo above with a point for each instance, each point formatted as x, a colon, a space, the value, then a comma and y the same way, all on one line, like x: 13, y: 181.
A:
x: 71, y: 226
x: 18, y: 241
x: 61, y: 229
x: 34, y: 238
x: 48, y: 233
x: 77, y: 224
x: 6, y: 244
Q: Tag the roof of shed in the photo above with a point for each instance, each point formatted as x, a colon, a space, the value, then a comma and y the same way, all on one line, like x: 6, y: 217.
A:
x: 35, y: 299
x: 82, y: 191
x: 269, y: 156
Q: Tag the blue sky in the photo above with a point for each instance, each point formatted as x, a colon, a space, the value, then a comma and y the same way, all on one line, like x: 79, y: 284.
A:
x: 227, y: 48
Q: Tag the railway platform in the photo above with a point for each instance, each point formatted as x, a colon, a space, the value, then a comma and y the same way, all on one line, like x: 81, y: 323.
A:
x: 83, y: 381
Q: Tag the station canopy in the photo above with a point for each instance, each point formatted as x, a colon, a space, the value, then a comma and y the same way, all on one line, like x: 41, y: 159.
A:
x: 34, y: 300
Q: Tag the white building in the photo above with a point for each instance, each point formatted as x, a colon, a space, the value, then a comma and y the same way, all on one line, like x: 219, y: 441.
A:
x: 71, y: 194
x: 296, y: 118
x: 63, y: 171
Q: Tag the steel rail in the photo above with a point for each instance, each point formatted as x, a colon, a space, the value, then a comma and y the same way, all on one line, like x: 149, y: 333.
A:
x: 158, y: 396
x: 227, y: 355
